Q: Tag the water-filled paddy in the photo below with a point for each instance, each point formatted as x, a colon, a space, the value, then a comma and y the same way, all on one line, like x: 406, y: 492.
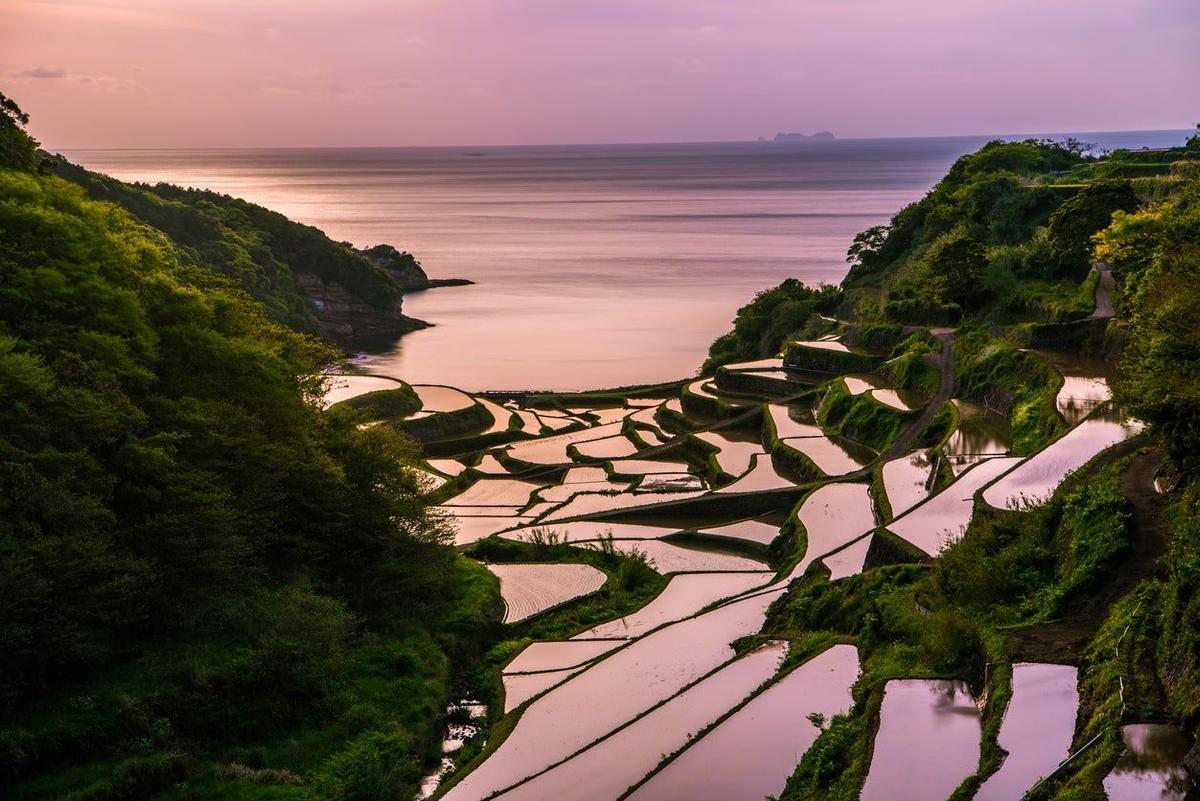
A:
x: 599, y: 503
x: 1037, y: 728
x: 345, y: 387
x: 520, y: 687
x: 737, y: 449
x: 832, y: 516
x: 792, y: 421
x: 945, y: 516
x: 553, y: 450
x: 528, y: 589
x: 1080, y: 395
x: 823, y: 344
x: 928, y: 741
x: 1036, y: 479
x: 1151, y: 769
x: 448, y: 467
x: 644, y: 466
x: 848, y: 561
x: 579, y: 530
x: 608, y: 448
x: 500, y: 416
x: 752, y: 753
x: 833, y: 457
x: 669, y: 558
x: 981, y: 434
x: 669, y: 482
x: 746, y: 531
x: 472, y: 528
x: 607, y: 768
x: 562, y: 492
x: 494, y: 492
x: 685, y: 595
x: 761, y: 477
x: 901, y: 400
x: 442, y: 399
x: 858, y: 384
x: 612, y: 692
x: 906, y: 480
x: 553, y: 655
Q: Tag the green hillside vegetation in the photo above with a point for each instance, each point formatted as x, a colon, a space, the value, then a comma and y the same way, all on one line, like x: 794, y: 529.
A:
x: 259, y: 249
x: 207, y: 583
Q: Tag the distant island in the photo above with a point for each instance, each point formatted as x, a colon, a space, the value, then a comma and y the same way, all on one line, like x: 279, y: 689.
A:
x: 819, y: 136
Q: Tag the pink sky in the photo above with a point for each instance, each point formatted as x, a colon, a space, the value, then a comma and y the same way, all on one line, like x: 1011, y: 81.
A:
x: 229, y: 73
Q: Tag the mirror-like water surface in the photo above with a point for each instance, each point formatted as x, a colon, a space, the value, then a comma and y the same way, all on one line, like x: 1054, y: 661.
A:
x: 928, y: 741
x: 612, y: 765
x: 684, y: 595
x: 1037, y: 728
x: 1151, y: 769
x: 752, y: 753
x: 613, y: 691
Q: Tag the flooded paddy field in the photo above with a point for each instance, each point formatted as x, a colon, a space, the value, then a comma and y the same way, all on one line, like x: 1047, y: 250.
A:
x: 654, y: 703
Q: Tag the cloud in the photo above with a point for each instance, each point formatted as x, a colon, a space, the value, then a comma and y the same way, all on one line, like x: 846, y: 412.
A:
x: 42, y: 72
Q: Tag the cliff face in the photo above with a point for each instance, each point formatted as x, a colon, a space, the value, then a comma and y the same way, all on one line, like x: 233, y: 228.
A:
x: 349, y: 318
x: 345, y: 318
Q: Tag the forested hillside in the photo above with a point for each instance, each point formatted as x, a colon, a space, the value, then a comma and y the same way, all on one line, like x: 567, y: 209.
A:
x: 202, y: 573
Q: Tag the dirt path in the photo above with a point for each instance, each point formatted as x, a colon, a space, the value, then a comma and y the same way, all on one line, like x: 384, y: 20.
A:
x: 945, y: 392
x: 1104, y: 289
x: 1064, y: 640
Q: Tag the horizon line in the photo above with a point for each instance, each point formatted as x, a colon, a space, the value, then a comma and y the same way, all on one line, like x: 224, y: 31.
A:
x: 763, y: 140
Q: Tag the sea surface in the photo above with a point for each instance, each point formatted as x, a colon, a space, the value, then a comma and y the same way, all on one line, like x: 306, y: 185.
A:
x: 595, y: 266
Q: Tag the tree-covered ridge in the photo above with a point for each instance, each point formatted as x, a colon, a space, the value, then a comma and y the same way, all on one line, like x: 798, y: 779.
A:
x: 260, y: 249
x: 1006, y: 234
x: 202, y: 572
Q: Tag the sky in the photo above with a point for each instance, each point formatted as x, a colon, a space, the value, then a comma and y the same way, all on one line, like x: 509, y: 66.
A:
x: 274, y: 73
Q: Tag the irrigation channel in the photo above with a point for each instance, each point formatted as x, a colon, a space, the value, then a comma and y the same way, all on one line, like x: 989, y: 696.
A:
x: 699, y: 477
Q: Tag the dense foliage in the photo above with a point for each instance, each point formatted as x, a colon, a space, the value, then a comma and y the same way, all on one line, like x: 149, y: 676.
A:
x: 765, y: 323
x: 261, y: 250
x: 202, y: 575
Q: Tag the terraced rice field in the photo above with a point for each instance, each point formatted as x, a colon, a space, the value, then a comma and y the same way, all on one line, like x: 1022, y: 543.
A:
x: 495, y: 492
x: 580, y: 530
x: 609, y: 448
x: 833, y: 458
x: 442, y: 399
x: 610, y: 766
x: 1035, y: 480
x: 823, y: 344
x: 895, y: 399
x: 906, y: 480
x: 759, y: 478
x: 832, y: 516
x: 685, y: 595
x: 1080, y: 395
x: 792, y: 421
x: 556, y: 655
x: 500, y: 416
x: 472, y: 528
x: 595, y: 504
x: 612, y: 692
x: 944, y: 517
x: 520, y: 687
x: 858, y: 384
x: 669, y: 482
x: 449, y: 467
x: 345, y: 387
x: 1037, y: 728
x: 528, y: 589
x: 719, y: 766
x: 849, y: 560
x: 735, y: 454
x: 1151, y: 769
x: 669, y: 558
x: 553, y: 449
x: 928, y: 741
x: 745, y: 531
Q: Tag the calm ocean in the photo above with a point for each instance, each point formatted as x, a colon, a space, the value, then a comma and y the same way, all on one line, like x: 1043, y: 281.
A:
x: 595, y: 265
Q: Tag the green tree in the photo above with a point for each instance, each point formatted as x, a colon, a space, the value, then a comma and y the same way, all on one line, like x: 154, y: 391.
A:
x: 17, y: 149
x: 1077, y: 220
x: 958, y: 263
